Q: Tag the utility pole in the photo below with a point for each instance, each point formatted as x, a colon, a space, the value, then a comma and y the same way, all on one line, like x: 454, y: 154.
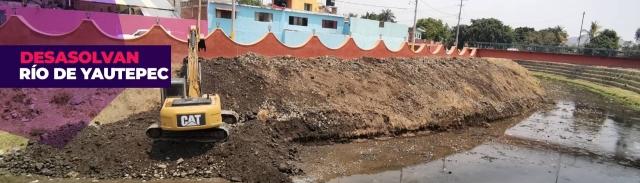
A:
x: 413, y: 37
x: 458, y: 27
x: 580, y: 35
x: 233, y: 20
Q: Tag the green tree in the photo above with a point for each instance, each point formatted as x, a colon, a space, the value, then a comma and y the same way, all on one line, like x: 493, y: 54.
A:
x: 521, y: 33
x: 370, y: 16
x: 386, y: 16
x: 547, y: 38
x: 353, y: 15
x: 485, y: 30
x: 490, y: 30
x: 466, y: 35
x: 607, y: 39
x: 434, y: 29
x: 250, y: 2
x: 558, y: 35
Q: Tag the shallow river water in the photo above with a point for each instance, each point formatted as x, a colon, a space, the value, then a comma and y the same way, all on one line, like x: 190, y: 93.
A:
x: 584, y: 138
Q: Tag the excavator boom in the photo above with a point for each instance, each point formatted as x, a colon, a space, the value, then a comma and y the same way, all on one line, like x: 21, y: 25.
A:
x: 193, y: 63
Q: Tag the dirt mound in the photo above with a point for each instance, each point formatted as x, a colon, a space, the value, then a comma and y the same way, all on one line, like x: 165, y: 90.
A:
x: 319, y: 99
x: 368, y: 97
x: 129, y: 101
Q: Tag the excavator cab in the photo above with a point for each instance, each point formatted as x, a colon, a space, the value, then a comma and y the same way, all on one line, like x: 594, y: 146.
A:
x: 178, y: 89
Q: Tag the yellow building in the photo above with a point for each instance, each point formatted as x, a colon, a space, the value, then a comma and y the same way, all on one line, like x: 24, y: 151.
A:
x: 302, y: 5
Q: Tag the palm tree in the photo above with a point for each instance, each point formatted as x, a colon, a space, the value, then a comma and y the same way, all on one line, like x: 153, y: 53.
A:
x: 386, y: 15
x: 593, y: 31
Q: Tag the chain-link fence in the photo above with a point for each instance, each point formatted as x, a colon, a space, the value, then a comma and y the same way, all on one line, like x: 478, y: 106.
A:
x: 557, y: 49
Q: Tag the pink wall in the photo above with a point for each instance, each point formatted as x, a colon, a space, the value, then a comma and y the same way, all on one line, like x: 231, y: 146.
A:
x: 62, y: 21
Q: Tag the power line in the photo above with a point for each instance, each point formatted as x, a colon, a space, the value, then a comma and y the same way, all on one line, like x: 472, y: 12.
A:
x: 426, y: 15
x: 435, y: 8
x: 373, y: 5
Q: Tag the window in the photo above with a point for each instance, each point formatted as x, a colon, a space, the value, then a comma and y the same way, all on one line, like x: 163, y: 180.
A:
x: 329, y: 24
x: 301, y: 21
x: 264, y: 17
x: 307, y: 7
x: 224, y: 14
x: 381, y: 24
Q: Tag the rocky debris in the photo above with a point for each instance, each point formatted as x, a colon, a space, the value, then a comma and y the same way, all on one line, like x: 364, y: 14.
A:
x: 284, y: 100
x: 131, y: 154
x: 63, y: 134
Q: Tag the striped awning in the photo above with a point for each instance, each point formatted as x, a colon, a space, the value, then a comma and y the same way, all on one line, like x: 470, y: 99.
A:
x: 156, y: 4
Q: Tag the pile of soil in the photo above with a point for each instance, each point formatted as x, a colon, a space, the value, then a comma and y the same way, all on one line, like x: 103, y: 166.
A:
x: 372, y: 97
x: 303, y: 100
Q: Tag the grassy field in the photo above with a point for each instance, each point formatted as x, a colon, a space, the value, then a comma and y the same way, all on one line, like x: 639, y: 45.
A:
x: 8, y: 141
x: 626, y: 97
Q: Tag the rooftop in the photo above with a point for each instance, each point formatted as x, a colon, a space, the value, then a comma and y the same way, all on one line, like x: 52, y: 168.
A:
x: 419, y: 29
x: 157, y: 4
x: 228, y: 2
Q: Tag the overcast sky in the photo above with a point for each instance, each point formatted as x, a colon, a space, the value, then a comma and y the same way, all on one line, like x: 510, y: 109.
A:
x: 621, y: 15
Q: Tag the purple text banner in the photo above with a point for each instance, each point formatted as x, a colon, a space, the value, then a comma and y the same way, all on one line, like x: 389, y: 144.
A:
x: 87, y: 66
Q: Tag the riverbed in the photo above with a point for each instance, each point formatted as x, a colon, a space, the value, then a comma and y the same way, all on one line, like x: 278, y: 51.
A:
x: 580, y: 137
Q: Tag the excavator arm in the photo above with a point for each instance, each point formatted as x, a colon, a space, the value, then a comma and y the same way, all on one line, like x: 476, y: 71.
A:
x: 194, y: 75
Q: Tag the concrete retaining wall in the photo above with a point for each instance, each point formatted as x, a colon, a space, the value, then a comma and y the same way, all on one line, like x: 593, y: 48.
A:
x: 628, y: 79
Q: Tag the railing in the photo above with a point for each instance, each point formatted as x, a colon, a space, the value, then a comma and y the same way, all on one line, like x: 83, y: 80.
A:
x: 557, y: 49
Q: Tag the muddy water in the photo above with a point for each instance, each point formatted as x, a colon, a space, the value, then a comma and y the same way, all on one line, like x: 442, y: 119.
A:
x: 496, y: 162
x: 583, y: 137
x: 576, y: 126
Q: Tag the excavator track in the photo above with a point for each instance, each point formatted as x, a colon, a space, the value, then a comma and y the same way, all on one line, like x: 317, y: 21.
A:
x: 211, y: 135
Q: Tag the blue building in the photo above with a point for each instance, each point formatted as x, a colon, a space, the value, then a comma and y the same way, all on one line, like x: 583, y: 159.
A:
x: 294, y: 27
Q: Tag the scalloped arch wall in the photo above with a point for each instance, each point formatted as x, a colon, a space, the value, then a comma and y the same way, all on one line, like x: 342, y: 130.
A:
x: 17, y: 31
x: 47, y: 20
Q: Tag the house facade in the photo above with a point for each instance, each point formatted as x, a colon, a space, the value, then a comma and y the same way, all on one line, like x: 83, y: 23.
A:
x: 417, y: 35
x: 295, y: 27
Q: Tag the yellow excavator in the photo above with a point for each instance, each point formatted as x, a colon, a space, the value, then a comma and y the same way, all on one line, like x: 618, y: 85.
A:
x: 186, y: 113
